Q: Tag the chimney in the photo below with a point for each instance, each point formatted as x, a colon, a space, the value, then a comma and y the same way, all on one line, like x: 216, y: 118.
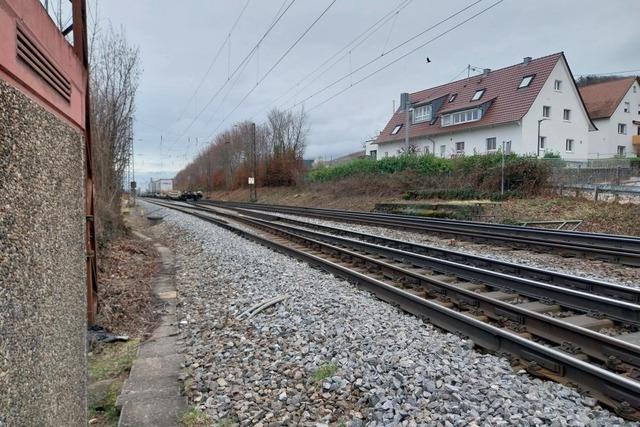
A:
x: 485, y: 72
x: 404, y: 101
x: 526, y: 60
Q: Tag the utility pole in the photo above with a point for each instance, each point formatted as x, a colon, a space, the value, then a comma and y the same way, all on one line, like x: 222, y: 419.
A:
x: 505, y: 144
x: 253, y: 185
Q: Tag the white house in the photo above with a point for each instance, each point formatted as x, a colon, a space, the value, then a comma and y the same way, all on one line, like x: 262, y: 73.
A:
x: 516, y: 104
x: 614, y: 106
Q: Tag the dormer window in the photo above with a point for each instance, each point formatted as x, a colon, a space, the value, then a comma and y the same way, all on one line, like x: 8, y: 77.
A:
x: 453, y: 97
x: 422, y: 114
x: 396, y: 129
x: 526, y: 81
x: 478, y: 94
x: 459, y: 117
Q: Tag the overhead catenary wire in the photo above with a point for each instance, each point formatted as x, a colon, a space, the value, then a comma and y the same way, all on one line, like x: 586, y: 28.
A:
x: 212, y: 63
x: 240, y: 65
x: 442, y: 34
x: 348, y: 48
x: 398, y: 46
x: 282, y: 57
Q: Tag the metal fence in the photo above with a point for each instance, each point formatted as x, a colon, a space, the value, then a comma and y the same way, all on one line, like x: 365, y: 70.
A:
x: 612, y: 171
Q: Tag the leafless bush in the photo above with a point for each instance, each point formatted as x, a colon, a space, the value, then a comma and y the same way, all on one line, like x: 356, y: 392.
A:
x: 228, y: 160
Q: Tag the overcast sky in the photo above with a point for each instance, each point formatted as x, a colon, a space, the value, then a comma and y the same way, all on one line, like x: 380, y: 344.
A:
x: 178, y: 41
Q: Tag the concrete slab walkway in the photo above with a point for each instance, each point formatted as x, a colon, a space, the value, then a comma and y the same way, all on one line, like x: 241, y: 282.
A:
x: 151, y: 395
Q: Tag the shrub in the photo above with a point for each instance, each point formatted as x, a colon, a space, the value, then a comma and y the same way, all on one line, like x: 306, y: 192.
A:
x: 424, y: 165
x: 466, y: 174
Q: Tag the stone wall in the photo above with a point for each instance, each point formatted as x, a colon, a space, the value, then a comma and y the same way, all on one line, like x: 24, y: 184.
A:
x: 42, y: 266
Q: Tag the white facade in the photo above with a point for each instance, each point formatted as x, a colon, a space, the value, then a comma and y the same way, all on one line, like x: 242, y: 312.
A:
x: 556, y: 130
x: 569, y: 138
x: 609, y: 140
x: 444, y: 145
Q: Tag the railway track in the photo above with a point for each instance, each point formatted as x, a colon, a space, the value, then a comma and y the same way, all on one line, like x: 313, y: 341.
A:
x: 550, y: 330
x: 607, y: 247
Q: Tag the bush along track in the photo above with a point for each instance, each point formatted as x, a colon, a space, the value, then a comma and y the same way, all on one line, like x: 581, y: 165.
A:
x: 523, y: 174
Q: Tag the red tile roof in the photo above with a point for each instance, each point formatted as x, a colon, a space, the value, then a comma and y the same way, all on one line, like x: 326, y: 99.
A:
x: 602, y: 99
x: 509, y: 103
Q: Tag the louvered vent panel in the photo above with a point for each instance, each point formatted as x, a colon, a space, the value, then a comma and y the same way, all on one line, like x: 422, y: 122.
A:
x: 40, y: 64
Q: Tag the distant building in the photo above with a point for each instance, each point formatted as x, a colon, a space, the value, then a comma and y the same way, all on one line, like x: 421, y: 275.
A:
x: 161, y: 186
x: 339, y: 160
x: 535, y: 105
x: 614, y: 106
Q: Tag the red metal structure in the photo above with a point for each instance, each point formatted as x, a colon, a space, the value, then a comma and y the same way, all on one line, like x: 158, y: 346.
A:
x: 36, y: 58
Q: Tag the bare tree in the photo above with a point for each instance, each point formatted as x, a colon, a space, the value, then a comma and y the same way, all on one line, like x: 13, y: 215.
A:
x: 228, y: 161
x: 114, y: 73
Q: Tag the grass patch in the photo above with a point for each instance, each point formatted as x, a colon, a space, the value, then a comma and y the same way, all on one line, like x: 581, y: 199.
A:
x: 113, y: 359
x: 109, y: 362
x: 105, y: 411
x: 195, y: 418
x: 325, y: 371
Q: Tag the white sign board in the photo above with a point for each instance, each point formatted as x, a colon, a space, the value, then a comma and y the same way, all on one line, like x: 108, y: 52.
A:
x: 252, y: 180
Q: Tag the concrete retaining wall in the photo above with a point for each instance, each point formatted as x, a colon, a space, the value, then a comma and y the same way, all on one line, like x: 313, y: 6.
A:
x: 42, y: 266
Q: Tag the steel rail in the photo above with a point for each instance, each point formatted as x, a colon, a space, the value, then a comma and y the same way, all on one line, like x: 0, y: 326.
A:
x: 598, y: 287
x: 612, y: 389
x: 622, y: 311
x: 623, y: 249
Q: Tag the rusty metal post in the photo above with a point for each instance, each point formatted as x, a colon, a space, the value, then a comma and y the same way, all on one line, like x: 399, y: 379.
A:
x: 81, y: 50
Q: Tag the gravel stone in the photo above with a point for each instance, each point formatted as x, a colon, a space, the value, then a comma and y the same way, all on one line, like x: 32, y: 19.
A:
x: 392, y: 368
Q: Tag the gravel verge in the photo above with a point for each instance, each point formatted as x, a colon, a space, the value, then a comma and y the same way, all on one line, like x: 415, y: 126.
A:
x: 333, y: 354
x: 593, y: 269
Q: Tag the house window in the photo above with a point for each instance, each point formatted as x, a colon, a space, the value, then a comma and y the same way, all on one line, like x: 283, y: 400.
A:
x: 453, y: 97
x: 566, y: 115
x: 622, y: 128
x: 373, y: 154
x: 478, y: 94
x: 443, y: 150
x: 546, y: 111
x: 396, y: 129
x: 543, y: 142
x: 491, y: 144
x: 460, y: 147
x: 635, y: 89
x: 627, y: 107
x: 568, y: 146
x: 526, y: 81
x: 422, y: 114
x: 461, y: 117
x: 621, y: 150
x: 557, y: 85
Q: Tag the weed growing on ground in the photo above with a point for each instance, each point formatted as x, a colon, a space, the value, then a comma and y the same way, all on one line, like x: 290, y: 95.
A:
x: 195, y: 418
x: 113, y: 360
x: 325, y: 371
